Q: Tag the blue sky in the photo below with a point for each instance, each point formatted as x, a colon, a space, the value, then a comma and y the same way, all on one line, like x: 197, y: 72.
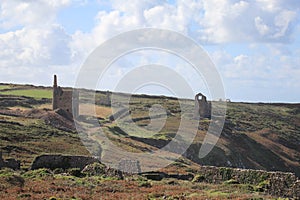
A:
x: 253, y: 43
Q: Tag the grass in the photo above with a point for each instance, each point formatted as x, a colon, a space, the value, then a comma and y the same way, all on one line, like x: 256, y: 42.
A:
x: 5, y: 172
x: 3, y: 87
x: 36, y: 174
x: 34, y: 93
x: 24, y: 139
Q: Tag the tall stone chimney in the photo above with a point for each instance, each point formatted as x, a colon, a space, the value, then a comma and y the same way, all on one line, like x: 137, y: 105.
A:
x: 55, y: 92
x: 55, y: 81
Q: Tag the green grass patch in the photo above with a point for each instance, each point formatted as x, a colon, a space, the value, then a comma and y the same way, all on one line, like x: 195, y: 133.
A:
x: 3, y: 87
x: 34, y: 93
x: 6, y: 172
x: 219, y: 194
x: 38, y: 173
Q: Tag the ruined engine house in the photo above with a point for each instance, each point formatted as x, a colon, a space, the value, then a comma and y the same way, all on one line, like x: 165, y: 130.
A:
x: 202, y: 107
x: 67, y: 100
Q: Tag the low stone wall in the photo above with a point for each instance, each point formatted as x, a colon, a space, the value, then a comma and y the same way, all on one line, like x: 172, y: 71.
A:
x: 62, y: 161
x: 281, y: 184
x: 9, y: 163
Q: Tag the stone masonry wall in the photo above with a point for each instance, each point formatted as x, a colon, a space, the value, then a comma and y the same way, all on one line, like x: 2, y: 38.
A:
x: 9, y: 163
x: 62, y: 161
x: 282, y: 184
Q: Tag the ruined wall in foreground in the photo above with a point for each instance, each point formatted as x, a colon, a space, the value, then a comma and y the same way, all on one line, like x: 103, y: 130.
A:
x: 62, y: 161
x: 282, y: 184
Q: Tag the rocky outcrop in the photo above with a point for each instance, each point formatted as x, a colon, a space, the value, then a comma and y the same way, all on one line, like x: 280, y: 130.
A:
x: 62, y: 161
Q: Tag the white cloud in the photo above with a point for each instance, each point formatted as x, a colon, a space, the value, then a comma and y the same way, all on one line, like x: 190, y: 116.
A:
x: 36, y: 43
x: 212, y: 21
x: 248, y: 21
x: 262, y: 28
x: 134, y: 15
x: 29, y: 13
x: 282, y: 22
x: 224, y: 21
x: 175, y: 17
x: 31, y: 55
x: 276, y: 6
x: 35, y: 47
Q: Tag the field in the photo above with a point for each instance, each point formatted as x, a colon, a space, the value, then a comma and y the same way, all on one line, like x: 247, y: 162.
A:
x: 34, y: 93
x: 2, y: 87
x: 256, y: 136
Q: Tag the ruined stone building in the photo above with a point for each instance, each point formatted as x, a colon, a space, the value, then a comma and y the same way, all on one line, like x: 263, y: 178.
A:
x: 106, y: 101
x: 202, y: 107
x: 65, y: 99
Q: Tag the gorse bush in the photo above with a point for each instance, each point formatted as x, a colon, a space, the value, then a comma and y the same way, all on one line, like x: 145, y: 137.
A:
x: 95, y: 169
x: 75, y: 172
x: 38, y: 173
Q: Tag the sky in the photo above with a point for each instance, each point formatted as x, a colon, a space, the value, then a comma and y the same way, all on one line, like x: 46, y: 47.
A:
x: 254, y: 44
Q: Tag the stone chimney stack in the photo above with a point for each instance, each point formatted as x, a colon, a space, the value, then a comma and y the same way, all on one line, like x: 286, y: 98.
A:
x: 55, y: 92
x: 55, y: 81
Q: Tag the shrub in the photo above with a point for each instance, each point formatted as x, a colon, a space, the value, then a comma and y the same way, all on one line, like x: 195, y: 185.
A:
x: 58, y: 171
x: 198, y: 178
x: 75, y: 172
x: 6, y: 172
x: 24, y: 195
x: 15, y: 180
x: 145, y: 184
x: 226, y: 173
x: 231, y: 181
x: 38, y: 173
x: 10, y: 178
x: 95, y: 169
x: 263, y: 186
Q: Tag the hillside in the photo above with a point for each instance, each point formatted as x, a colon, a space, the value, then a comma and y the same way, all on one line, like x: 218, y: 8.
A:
x: 258, y: 136
x: 255, y: 135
